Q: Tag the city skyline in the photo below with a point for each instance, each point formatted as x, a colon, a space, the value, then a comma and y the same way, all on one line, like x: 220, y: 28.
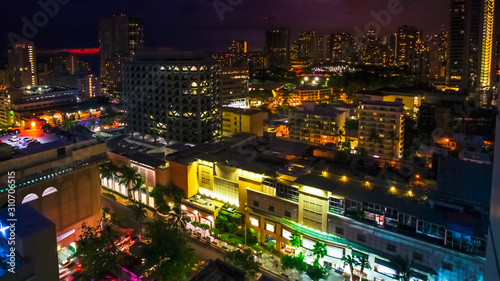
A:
x: 199, y: 25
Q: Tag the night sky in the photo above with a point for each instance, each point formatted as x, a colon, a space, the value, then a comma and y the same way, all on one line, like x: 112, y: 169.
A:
x: 195, y: 24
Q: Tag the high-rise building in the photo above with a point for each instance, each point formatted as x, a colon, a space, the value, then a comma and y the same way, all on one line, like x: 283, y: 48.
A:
x: 175, y: 96
x: 323, y: 54
x: 234, y: 86
x: 238, y: 47
x: 64, y: 62
x: 438, y: 55
x: 22, y: 65
x: 471, y: 44
x: 278, y: 47
x: 121, y: 37
x: 343, y: 48
x: 307, y: 47
x: 408, y: 37
x: 492, y: 254
x: 380, y: 128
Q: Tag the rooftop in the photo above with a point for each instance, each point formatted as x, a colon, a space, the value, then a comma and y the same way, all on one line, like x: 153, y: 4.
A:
x: 218, y: 270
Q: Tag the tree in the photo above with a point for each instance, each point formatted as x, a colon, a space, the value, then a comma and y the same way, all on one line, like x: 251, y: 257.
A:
x: 168, y: 256
x: 140, y: 214
x: 128, y: 176
x: 178, y: 218
x: 316, y: 272
x: 244, y: 260
x: 350, y: 261
x: 364, y: 264
x: 287, y: 262
x: 299, y: 264
x: 271, y: 246
x: 348, y: 126
x: 137, y: 185
x: 295, y: 240
x: 68, y: 124
x: 374, y: 137
x: 107, y: 170
x: 392, y: 136
x: 175, y: 194
x: 158, y: 194
x: 97, y: 251
x: 403, y: 267
x: 319, y: 250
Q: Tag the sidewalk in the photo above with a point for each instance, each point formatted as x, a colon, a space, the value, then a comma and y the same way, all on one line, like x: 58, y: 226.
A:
x: 269, y: 263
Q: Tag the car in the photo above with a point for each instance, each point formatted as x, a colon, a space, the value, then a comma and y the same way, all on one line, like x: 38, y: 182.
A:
x: 67, y: 264
x: 14, y: 139
x: 339, y: 271
x: 33, y: 143
x: 17, y: 131
x: 10, y: 132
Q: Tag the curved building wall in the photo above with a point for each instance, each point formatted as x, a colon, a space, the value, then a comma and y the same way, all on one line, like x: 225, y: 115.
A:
x: 179, y: 101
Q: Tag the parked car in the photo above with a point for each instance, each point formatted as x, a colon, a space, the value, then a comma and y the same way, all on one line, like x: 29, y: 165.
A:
x: 10, y: 132
x: 33, y: 143
x: 14, y: 139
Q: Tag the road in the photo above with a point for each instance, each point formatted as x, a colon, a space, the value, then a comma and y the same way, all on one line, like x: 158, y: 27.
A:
x: 203, y: 251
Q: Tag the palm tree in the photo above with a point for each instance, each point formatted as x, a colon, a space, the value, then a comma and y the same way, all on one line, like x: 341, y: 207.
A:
x: 402, y: 265
x: 319, y: 250
x: 374, y: 137
x: 140, y: 214
x: 351, y: 262
x: 107, y: 171
x: 137, y: 185
x: 295, y: 240
x: 178, y: 218
x: 392, y: 136
x: 348, y: 126
x: 339, y: 134
x: 365, y: 264
x: 127, y: 176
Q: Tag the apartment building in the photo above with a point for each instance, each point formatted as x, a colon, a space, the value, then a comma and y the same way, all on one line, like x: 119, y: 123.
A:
x: 380, y: 128
x: 320, y: 124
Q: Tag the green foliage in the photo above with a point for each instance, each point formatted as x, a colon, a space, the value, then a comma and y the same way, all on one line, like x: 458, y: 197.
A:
x: 319, y: 250
x: 296, y: 240
x: 271, y: 246
x: 316, y: 272
x: 97, y: 252
x: 244, y: 260
x: 107, y: 170
x: 168, y: 251
x: 178, y: 218
x: 350, y: 261
x: 294, y: 262
x: 128, y: 176
x: 140, y: 214
x: 364, y: 264
x: 68, y: 124
x: 403, y: 266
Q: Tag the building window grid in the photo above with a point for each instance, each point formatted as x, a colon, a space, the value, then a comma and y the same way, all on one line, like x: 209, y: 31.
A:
x: 287, y: 192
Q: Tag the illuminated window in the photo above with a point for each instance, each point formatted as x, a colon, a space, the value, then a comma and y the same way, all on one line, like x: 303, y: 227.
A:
x: 270, y: 226
x: 254, y: 221
x: 286, y: 234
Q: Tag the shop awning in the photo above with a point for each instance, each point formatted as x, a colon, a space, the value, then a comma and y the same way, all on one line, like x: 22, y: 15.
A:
x: 384, y: 263
x: 359, y: 254
x: 425, y: 269
x: 419, y: 276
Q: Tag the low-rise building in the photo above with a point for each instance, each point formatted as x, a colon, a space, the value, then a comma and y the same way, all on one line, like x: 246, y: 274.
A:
x: 235, y: 121
x: 300, y: 95
x: 445, y: 239
x: 319, y: 124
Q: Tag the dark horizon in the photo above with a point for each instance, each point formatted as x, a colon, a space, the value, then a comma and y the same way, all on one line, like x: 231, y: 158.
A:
x: 196, y: 25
